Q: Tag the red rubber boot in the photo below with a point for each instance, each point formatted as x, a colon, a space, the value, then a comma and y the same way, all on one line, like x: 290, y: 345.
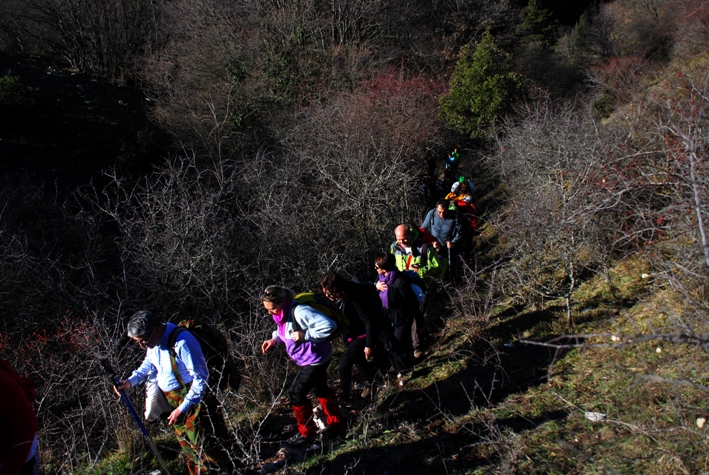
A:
x: 304, y: 418
x: 331, y: 406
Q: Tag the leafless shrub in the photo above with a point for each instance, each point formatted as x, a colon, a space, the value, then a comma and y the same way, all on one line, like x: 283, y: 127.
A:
x: 48, y: 259
x: 107, y: 38
x: 476, y: 295
x: 361, y: 153
x: 178, y: 233
x: 692, y: 31
x: 661, y: 174
x: 632, y: 28
x: 621, y: 77
x: 78, y: 412
x: 681, y: 251
x: 560, y: 215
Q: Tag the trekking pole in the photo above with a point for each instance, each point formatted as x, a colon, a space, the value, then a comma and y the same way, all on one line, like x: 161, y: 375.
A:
x: 134, y: 414
x: 450, y: 265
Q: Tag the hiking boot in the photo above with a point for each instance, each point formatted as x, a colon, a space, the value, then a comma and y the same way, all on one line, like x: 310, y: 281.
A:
x: 332, y: 432
x: 344, y: 397
x: 298, y: 440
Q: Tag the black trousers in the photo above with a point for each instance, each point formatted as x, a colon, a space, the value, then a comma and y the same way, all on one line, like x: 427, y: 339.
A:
x: 397, y: 343
x: 309, y: 378
x: 354, y: 355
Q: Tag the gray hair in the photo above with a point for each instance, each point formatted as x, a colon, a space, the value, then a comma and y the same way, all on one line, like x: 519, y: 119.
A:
x: 277, y: 294
x: 142, y: 323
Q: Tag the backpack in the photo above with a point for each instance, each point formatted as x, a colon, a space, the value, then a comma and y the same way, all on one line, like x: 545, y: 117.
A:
x: 27, y: 385
x: 426, y: 236
x: 415, y: 279
x: 223, y: 371
x: 325, y: 306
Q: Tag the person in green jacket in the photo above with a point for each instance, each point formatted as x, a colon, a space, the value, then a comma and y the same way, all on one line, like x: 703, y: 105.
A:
x: 413, y: 255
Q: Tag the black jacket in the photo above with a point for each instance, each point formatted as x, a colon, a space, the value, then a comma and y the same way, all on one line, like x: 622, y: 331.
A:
x: 363, y: 308
x: 403, y: 305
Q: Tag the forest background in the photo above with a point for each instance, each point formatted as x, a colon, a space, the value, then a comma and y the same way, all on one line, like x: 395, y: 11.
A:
x: 180, y: 156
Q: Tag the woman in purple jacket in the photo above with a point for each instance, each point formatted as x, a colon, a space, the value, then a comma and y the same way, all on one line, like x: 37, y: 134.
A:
x: 308, y: 347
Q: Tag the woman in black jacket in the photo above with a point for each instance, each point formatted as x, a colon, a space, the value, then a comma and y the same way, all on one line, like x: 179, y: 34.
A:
x: 401, y: 308
x: 361, y: 305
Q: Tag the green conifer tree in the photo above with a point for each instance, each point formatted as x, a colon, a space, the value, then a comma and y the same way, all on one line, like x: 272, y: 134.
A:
x: 482, y: 87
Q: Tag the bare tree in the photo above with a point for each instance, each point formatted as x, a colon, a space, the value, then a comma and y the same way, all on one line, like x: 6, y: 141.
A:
x: 107, y: 38
x: 559, y: 216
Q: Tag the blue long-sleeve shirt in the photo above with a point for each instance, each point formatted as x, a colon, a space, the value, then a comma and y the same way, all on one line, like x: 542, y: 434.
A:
x: 446, y: 229
x: 191, y: 366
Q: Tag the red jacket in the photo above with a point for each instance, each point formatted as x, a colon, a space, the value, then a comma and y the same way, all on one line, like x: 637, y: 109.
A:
x: 18, y: 425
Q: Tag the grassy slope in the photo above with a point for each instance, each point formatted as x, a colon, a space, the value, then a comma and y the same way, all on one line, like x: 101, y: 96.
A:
x: 495, y: 405
x: 452, y: 418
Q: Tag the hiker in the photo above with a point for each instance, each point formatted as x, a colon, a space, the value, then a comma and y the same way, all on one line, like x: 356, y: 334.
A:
x: 461, y: 191
x: 443, y: 224
x: 414, y: 256
x: 444, y: 182
x: 19, y: 452
x: 412, y: 253
x: 361, y: 304
x: 196, y: 417
x: 401, y: 310
x: 310, y: 349
x: 452, y: 161
x: 461, y: 196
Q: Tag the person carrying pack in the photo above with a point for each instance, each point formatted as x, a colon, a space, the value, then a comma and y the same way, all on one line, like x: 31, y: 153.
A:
x: 453, y: 160
x: 446, y: 228
x: 461, y: 197
x: 401, y: 309
x: 305, y: 332
x: 183, y: 379
x: 361, y: 305
x: 413, y: 253
x: 223, y: 370
x: 325, y: 306
x: 19, y: 452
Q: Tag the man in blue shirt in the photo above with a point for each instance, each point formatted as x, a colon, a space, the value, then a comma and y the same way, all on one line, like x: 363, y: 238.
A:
x: 196, y: 418
x: 443, y: 224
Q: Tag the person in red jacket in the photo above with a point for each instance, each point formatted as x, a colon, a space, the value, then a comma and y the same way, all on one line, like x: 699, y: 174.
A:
x: 18, y: 429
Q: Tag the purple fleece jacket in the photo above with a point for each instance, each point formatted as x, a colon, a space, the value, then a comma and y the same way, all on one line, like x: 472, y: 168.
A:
x: 316, y: 349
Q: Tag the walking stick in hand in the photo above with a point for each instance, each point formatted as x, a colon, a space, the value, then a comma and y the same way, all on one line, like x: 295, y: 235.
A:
x: 450, y: 265
x: 134, y: 414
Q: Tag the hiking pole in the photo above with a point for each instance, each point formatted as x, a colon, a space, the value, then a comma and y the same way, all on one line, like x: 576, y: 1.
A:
x: 134, y: 414
x: 450, y: 264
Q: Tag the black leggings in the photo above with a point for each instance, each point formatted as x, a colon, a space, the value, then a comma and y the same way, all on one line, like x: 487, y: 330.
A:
x: 354, y: 355
x: 397, y: 343
x: 309, y: 377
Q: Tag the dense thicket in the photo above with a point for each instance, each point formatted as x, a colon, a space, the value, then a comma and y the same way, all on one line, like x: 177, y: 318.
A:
x: 301, y: 131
